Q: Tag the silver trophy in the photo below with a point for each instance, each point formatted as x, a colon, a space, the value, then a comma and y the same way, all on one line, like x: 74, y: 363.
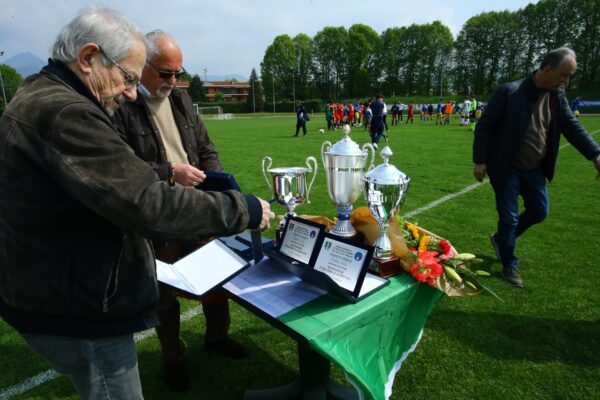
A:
x: 344, y: 164
x: 385, y: 192
x: 289, y: 184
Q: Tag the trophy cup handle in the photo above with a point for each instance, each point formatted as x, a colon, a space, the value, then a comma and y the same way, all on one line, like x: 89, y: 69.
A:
x: 366, y: 147
x: 327, y: 144
x: 314, y: 175
x: 264, y: 170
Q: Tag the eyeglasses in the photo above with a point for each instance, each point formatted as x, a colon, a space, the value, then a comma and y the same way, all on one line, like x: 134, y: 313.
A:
x: 129, y: 80
x: 167, y: 74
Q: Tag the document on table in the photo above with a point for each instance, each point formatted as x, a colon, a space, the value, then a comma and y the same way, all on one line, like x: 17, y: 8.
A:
x: 272, y: 289
x: 201, y: 271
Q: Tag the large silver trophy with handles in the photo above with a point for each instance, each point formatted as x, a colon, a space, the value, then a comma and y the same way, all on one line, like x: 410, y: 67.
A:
x: 289, y: 184
x: 344, y: 164
x: 385, y: 192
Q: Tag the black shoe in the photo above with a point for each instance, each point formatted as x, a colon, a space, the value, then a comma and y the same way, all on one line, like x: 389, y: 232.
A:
x: 512, y: 277
x: 175, y: 376
x: 227, y: 347
x: 495, y: 246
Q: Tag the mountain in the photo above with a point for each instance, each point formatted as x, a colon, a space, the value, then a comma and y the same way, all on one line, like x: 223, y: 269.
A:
x: 25, y: 63
x: 238, y: 77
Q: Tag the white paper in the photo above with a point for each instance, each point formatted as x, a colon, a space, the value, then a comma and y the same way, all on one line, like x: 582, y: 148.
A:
x: 202, y: 270
x: 371, y: 283
x: 342, y: 262
x: 272, y: 289
x: 299, y: 241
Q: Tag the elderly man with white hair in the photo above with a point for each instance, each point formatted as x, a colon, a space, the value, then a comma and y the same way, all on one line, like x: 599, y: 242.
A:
x: 78, y: 207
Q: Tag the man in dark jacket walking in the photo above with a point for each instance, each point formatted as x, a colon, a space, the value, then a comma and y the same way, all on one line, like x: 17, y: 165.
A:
x: 164, y: 130
x: 301, y: 118
x: 77, y: 274
x: 516, y: 145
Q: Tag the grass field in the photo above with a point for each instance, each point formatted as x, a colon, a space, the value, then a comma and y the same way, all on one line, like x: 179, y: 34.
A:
x: 541, y: 342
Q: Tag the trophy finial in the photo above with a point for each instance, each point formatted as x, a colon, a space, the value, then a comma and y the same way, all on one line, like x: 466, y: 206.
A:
x: 386, y: 153
x: 346, y: 129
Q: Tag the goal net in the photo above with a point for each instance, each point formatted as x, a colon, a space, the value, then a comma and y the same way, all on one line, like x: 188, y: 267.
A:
x: 215, y: 112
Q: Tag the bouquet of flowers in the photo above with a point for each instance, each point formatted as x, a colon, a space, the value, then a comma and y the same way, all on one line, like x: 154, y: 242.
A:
x: 434, y: 261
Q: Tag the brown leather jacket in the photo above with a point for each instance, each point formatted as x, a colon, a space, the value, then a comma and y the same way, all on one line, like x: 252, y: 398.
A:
x: 77, y: 207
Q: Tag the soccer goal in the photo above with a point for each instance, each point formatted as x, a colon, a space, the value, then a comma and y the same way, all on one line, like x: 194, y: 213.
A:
x: 215, y: 112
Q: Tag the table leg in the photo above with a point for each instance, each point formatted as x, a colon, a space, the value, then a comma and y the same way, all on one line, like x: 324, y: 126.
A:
x: 312, y: 384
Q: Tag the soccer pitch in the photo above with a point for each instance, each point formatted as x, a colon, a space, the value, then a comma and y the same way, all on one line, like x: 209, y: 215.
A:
x: 541, y: 342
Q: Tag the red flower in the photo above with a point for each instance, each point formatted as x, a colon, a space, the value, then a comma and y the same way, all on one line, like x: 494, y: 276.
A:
x: 447, y: 252
x: 427, y: 267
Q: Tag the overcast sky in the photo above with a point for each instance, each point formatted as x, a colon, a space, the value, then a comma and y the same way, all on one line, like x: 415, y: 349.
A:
x: 231, y: 36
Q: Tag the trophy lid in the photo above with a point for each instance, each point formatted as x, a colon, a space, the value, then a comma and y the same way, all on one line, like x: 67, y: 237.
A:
x: 346, y: 146
x: 386, y: 174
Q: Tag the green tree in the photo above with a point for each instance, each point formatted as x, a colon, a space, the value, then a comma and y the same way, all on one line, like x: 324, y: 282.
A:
x: 360, y: 47
x: 587, y: 44
x: 196, y: 90
x: 255, y: 99
x: 11, y: 80
x: 219, y: 97
x: 302, y: 66
x: 328, y: 61
x: 277, y: 67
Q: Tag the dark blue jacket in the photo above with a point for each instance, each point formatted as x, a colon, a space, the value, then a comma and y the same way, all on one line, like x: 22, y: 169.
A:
x: 501, y: 129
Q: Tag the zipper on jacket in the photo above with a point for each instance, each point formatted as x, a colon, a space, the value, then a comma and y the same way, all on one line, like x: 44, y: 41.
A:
x: 115, y: 270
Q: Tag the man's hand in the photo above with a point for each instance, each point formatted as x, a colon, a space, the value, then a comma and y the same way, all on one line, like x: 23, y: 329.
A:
x: 187, y: 175
x: 597, y: 165
x: 479, y: 171
x: 267, y: 215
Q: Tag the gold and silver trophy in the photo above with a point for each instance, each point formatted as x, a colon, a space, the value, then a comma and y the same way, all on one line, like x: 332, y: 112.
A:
x: 344, y: 164
x: 385, y: 192
x: 289, y: 184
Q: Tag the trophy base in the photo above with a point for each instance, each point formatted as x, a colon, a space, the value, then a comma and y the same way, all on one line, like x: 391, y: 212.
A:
x: 385, y: 268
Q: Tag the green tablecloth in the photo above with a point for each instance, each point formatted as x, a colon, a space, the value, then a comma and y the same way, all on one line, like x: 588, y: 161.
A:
x: 370, y: 339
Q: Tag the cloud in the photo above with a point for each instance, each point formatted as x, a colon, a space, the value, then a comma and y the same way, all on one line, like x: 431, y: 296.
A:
x: 229, y: 36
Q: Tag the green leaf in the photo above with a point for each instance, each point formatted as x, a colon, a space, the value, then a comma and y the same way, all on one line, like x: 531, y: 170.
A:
x: 482, y: 273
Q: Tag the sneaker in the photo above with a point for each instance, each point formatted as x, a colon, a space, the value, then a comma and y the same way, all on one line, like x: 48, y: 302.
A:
x: 175, y: 376
x: 495, y: 246
x: 375, y: 146
x: 227, y: 347
x: 512, y: 277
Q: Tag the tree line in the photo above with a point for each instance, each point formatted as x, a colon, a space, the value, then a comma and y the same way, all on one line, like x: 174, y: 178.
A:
x: 491, y: 48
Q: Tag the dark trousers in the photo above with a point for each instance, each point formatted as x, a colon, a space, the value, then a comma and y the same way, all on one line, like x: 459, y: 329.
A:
x: 300, y: 124
x: 531, y: 186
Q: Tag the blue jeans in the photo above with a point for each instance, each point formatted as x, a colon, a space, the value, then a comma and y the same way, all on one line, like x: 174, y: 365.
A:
x: 531, y: 186
x: 99, y: 368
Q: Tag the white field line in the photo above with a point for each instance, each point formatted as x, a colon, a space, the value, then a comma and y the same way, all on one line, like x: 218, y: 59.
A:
x: 50, y: 374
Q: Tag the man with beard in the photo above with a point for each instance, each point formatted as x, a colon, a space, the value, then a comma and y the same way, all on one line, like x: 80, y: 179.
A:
x: 77, y: 274
x: 164, y: 130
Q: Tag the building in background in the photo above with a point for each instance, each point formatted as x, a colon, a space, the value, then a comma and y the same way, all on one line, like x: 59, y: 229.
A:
x: 233, y: 91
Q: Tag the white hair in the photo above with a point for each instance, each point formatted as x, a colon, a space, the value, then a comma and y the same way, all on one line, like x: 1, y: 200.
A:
x: 109, y: 29
x: 153, y: 39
